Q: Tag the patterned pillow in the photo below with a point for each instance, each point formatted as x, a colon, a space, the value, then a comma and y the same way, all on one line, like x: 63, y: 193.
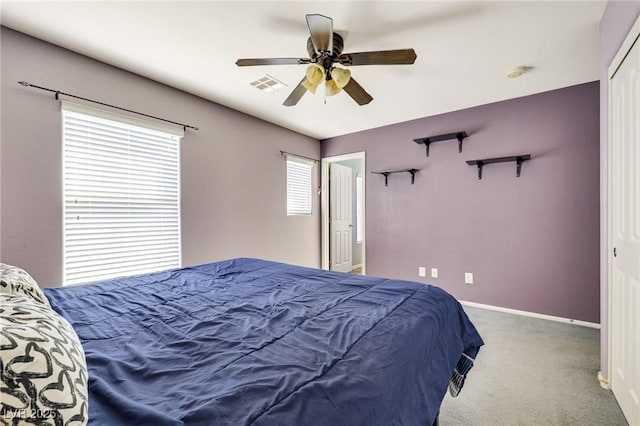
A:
x: 43, y: 370
x: 14, y: 280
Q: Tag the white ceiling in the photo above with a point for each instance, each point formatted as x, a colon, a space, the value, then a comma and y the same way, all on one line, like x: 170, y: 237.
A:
x: 464, y: 51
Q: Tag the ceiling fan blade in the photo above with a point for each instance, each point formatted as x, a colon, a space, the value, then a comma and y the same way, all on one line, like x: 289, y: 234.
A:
x: 379, y: 57
x: 321, y: 30
x: 297, y: 93
x: 356, y: 91
x: 272, y: 61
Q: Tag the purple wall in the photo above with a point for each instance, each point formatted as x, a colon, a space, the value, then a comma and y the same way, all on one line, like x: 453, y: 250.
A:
x: 617, y: 19
x: 531, y: 242
x: 233, y: 176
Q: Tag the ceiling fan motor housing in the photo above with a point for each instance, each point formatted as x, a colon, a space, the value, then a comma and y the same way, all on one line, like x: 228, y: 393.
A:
x: 326, y: 59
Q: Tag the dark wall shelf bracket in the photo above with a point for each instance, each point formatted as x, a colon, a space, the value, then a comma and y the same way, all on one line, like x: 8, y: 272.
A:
x: 386, y: 174
x: 519, y: 159
x: 449, y: 136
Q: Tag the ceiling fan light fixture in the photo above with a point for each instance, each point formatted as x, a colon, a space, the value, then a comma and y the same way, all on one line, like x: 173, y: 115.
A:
x: 310, y: 86
x: 340, y: 76
x: 332, y: 88
x: 315, y: 74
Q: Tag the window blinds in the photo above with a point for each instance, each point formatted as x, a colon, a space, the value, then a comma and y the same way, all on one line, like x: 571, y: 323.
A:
x: 298, y: 186
x: 121, y: 197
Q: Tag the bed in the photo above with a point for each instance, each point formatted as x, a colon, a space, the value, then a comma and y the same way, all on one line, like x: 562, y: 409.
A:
x: 254, y: 342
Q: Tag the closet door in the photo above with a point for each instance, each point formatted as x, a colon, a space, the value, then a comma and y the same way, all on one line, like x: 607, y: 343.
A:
x: 624, y: 231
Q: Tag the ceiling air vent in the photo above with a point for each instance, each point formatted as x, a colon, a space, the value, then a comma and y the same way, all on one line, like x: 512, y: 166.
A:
x: 268, y: 84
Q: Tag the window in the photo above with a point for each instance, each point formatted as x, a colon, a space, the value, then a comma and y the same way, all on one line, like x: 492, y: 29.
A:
x: 121, y: 196
x: 299, y: 191
x: 359, y: 206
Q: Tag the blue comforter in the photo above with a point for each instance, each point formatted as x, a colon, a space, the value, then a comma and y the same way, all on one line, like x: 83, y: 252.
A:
x: 248, y: 341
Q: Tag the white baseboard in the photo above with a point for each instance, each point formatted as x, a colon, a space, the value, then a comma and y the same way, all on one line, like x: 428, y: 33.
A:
x: 532, y: 314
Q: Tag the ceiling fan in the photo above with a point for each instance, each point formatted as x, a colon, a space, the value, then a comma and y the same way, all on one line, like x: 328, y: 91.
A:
x: 325, y: 51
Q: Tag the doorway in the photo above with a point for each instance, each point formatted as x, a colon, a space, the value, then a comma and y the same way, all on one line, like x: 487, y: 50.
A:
x: 343, y: 213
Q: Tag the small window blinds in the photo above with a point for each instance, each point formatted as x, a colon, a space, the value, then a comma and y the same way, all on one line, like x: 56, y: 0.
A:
x: 121, y: 184
x: 299, y: 190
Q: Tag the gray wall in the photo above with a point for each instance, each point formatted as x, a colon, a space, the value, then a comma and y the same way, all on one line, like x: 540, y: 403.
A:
x: 233, y: 176
x: 531, y: 242
x: 617, y: 19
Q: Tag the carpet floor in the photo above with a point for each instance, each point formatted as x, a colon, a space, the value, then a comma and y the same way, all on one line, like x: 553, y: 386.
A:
x: 532, y: 372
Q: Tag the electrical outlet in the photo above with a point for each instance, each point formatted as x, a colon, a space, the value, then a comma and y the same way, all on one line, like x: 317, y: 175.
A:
x: 422, y: 271
x: 468, y: 278
x: 434, y: 272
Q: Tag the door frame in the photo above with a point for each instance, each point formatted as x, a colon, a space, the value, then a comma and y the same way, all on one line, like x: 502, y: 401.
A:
x: 630, y: 39
x: 324, y: 206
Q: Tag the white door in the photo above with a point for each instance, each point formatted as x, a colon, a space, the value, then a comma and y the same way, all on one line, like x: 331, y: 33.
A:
x: 340, y: 221
x: 625, y: 235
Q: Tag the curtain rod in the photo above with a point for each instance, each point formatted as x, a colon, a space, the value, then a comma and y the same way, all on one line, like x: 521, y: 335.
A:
x: 299, y: 156
x: 58, y: 93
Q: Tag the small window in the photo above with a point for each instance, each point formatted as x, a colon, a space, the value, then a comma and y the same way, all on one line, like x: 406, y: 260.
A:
x: 299, y: 191
x: 359, y: 208
x: 121, y: 195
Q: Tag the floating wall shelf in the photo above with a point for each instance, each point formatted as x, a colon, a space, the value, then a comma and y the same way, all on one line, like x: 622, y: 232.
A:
x: 519, y: 159
x: 427, y: 141
x: 386, y: 174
